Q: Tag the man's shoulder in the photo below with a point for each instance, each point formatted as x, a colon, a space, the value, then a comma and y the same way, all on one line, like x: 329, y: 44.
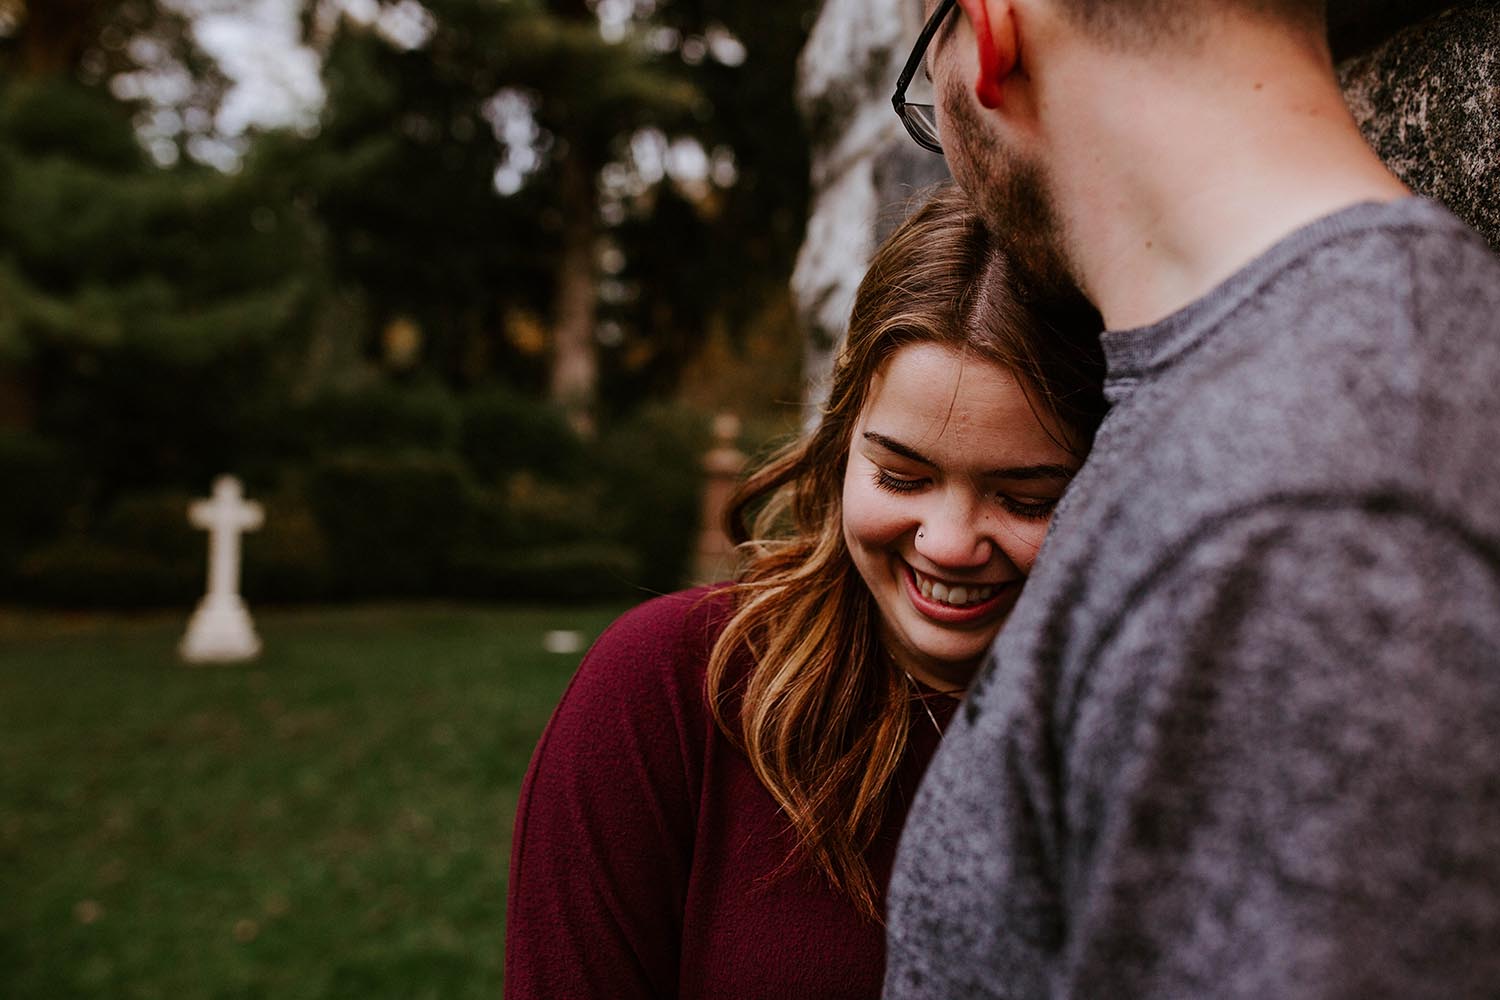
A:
x: 1401, y: 233
x: 1409, y: 268
x: 1367, y: 365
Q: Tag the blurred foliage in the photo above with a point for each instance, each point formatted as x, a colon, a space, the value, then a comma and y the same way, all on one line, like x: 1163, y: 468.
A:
x: 136, y: 555
x: 359, y: 318
x: 651, y: 467
x: 400, y: 179
x: 135, y: 296
x: 580, y: 520
x: 381, y: 417
x: 390, y: 520
x: 504, y: 431
x: 36, y: 474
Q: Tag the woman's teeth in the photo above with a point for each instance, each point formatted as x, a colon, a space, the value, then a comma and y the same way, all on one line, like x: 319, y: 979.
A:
x: 957, y: 596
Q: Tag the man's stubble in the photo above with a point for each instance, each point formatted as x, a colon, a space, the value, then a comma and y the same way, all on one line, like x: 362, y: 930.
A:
x: 1012, y: 194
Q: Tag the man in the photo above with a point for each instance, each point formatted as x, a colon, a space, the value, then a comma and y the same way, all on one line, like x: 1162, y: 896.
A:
x: 1241, y: 736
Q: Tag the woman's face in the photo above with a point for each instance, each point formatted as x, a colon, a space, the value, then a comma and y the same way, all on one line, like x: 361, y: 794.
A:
x: 950, y: 484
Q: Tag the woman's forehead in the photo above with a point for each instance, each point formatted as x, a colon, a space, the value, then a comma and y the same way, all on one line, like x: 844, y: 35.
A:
x: 932, y: 375
x: 929, y: 396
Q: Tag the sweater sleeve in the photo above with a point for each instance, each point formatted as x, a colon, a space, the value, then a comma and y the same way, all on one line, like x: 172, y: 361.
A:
x: 1285, y: 769
x: 604, y: 827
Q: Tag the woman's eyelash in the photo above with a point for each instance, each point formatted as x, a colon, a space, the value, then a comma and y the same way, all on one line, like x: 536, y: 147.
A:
x: 1037, y: 510
x: 895, y: 484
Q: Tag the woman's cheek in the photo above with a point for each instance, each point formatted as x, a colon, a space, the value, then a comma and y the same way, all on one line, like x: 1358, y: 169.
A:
x: 1022, y: 541
x: 874, y: 518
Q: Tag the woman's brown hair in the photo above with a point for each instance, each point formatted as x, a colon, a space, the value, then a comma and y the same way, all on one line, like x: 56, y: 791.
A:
x: 823, y: 713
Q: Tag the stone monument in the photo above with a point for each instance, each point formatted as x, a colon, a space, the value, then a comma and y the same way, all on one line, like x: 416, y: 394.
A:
x: 715, y: 557
x: 220, y: 630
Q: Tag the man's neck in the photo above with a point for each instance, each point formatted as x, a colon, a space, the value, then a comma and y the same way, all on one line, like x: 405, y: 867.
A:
x: 1168, y: 182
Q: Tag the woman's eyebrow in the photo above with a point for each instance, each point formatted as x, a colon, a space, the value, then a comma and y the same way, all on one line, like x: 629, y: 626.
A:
x: 1017, y: 473
x: 891, y: 444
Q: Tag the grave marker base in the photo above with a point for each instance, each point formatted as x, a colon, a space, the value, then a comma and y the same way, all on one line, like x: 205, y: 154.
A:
x: 220, y: 632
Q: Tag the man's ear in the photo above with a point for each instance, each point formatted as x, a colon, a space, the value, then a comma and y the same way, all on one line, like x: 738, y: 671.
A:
x: 994, y: 23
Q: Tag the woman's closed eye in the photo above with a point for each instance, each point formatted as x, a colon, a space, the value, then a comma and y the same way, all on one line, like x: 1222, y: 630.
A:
x: 892, y: 483
x: 1028, y: 507
x: 1031, y: 508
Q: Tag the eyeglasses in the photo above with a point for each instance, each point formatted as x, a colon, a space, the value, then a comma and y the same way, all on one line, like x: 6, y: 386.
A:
x: 920, y: 119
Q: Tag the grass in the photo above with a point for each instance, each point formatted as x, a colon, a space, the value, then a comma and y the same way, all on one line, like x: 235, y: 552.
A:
x: 330, y: 821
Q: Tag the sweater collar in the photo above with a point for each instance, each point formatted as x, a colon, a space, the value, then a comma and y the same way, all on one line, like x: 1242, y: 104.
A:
x: 1137, y: 355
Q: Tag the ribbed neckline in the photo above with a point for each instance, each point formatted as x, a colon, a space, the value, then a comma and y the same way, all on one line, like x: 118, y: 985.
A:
x: 1133, y: 354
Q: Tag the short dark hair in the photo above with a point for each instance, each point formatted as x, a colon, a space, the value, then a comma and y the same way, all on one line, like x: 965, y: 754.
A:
x: 1146, y: 22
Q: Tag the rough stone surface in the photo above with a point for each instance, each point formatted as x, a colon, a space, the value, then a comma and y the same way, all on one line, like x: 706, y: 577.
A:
x: 864, y: 170
x: 1428, y: 100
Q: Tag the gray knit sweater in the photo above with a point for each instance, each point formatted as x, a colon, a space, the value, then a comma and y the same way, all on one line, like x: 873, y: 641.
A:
x: 1241, y: 737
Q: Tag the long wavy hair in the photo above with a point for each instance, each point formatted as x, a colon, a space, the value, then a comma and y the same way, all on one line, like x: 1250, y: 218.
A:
x: 823, y: 712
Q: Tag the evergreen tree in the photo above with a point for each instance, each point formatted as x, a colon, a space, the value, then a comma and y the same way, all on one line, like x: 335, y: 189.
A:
x: 395, y: 196
x: 404, y: 176
x: 721, y: 260
x: 141, y: 310
x: 593, y: 94
x: 400, y: 178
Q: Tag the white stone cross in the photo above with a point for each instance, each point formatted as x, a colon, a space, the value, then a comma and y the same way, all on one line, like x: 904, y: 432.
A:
x: 220, y: 630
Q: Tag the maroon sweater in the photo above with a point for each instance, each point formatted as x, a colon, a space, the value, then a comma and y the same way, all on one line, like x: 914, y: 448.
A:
x: 648, y: 859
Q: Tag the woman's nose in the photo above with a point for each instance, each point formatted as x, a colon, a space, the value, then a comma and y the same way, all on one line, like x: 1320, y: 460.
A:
x: 952, y: 536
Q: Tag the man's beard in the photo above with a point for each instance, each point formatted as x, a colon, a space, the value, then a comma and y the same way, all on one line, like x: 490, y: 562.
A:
x: 1011, y: 192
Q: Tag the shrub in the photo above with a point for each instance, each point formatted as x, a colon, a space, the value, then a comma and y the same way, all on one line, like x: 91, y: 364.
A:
x: 155, y: 522
x: 84, y: 572
x: 287, y: 559
x: 557, y: 518
x: 536, y: 540
x: 538, y: 512
x: 39, y: 482
x: 505, y: 433
x: 390, y: 521
x: 580, y: 571
x: 382, y: 418
x: 141, y: 553
x: 652, y: 469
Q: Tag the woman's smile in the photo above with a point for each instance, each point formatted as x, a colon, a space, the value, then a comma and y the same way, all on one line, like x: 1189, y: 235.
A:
x: 957, y: 604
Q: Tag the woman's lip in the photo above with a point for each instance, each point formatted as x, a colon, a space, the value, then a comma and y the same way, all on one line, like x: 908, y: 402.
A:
x: 969, y: 584
x: 947, y: 614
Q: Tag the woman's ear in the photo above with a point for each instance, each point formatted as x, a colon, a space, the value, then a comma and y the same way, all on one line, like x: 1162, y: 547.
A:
x: 994, y: 23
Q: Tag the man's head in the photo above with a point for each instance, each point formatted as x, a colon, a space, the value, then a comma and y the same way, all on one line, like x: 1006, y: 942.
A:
x: 994, y: 68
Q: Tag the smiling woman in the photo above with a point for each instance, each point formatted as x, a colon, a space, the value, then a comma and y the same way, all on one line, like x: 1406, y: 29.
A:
x: 714, y: 808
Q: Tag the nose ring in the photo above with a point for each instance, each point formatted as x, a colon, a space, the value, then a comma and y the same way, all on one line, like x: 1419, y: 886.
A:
x: 919, y: 534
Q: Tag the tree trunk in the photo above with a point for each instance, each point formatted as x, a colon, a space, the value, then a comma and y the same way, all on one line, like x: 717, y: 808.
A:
x: 17, y: 399
x: 575, y: 367
x: 54, y: 35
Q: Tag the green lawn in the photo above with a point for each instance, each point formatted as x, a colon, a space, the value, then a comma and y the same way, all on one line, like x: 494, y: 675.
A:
x: 331, y: 821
